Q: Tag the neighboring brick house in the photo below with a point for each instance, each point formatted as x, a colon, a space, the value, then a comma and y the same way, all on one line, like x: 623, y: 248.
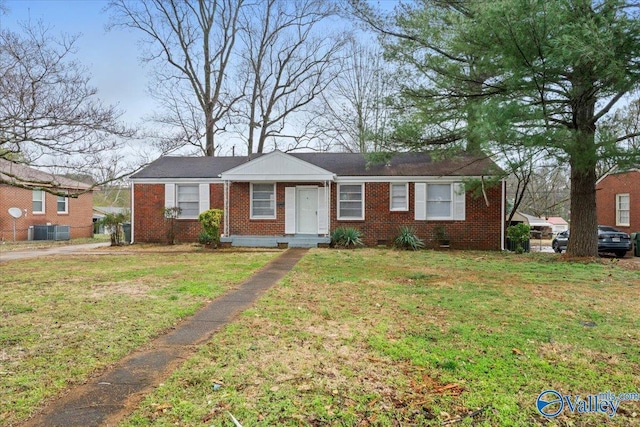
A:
x: 40, y: 207
x: 618, y: 200
x: 300, y: 198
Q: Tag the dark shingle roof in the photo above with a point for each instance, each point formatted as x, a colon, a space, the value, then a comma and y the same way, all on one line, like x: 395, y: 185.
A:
x: 342, y: 164
x: 17, y: 173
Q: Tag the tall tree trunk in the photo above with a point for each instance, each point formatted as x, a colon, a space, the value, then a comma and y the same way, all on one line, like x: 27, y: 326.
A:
x: 209, y: 142
x: 584, y: 225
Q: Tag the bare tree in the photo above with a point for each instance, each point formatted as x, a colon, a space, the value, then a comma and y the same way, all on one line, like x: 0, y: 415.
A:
x: 191, y: 45
x: 357, y: 115
x: 290, y: 61
x: 50, y: 116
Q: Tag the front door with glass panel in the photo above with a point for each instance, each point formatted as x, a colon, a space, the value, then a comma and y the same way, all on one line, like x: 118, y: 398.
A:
x: 307, y: 211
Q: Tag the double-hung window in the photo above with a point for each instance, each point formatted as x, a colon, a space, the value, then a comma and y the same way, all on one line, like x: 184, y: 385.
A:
x: 439, y: 201
x: 399, y: 197
x: 622, y: 210
x: 263, y: 201
x: 37, y: 201
x: 63, y: 205
x: 351, y: 201
x: 188, y: 199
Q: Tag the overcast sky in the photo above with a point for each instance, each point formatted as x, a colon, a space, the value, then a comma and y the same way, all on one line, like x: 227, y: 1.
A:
x: 110, y: 56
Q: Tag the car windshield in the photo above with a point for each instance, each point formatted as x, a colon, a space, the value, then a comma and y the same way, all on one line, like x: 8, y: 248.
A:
x: 608, y: 229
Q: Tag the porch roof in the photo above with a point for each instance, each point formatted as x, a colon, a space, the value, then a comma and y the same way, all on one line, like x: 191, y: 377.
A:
x: 277, y: 166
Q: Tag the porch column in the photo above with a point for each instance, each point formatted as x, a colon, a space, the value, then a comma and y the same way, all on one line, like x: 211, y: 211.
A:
x: 225, y: 216
x: 327, y: 194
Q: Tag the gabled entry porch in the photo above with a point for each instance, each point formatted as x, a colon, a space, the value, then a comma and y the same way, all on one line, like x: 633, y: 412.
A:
x: 277, y: 199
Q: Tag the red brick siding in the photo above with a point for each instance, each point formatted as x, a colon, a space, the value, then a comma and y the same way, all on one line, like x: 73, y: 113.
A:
x: 480, y: 230
x: 606, y: 191
x: 79, y: 216
x: 240, y: 222
x: 149, y: 222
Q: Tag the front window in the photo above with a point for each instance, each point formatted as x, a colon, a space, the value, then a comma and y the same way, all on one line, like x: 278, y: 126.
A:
x: 188, y: 200
x: 399, y: 199
x: 38, y: 201
x: 263, y: 201
x: 622, y: 210
x: 439, y: 197
x: 350, y: 201
x: 63, y: 204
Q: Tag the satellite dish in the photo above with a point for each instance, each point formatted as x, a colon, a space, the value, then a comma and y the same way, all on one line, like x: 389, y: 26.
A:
x: 15, y: 212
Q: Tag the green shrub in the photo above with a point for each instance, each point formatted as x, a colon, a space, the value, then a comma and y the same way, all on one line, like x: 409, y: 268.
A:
x: 346, y: 237
x: 210, y: 221
x: 407, y: 239
x: 113, y: 224
x: 518, y: 234
x: 204, y: 238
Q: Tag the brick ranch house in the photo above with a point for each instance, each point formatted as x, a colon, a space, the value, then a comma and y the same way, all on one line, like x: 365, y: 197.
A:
x: 618, y: 200
x: 298, y: 199
x: 40, y: 207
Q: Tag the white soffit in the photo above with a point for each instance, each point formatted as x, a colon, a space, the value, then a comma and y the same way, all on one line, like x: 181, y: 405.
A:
x: 277, y: 166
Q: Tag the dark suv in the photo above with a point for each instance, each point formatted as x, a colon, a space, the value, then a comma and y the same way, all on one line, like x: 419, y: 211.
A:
x: 610, y: 239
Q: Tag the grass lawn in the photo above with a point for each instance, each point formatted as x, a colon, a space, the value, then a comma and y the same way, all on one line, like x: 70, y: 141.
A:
x: 64, y: 318
x: 389, y: 338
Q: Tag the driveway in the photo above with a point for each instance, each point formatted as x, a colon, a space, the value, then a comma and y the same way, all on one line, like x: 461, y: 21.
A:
x: 54, y: 250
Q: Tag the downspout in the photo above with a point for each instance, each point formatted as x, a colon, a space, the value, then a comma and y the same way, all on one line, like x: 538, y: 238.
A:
x: 502, y: 214
x: 132, y: 213
x: 226, y: 208
x: 328, y: 196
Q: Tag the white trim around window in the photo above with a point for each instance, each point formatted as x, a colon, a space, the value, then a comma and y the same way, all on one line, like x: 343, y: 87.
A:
x: 350, y: 202
x: 38, y: 202
x: 188, y: 200
x: 62, y: 202
x: 399, y: 197
x: 263, y: 201
x: 623, y: 210
x: 439, y: 201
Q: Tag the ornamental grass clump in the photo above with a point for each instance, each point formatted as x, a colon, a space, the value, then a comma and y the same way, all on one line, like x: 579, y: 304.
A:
x: 407, y: 239
x: 346, y: 237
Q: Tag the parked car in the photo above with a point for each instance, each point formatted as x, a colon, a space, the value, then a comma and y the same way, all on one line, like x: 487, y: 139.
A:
x: 610, y: 239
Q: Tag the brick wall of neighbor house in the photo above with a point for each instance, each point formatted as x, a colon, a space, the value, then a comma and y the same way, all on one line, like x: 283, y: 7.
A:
x: 150, y: 225
x: 480, y: 230
x: 79, y: 216
x: 606, y: 190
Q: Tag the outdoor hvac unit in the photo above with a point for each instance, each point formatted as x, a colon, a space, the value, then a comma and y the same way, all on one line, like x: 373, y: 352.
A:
x: 51, y: 232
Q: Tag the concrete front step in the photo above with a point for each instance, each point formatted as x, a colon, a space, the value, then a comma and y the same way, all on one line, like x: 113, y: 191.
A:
x: 300, y: 241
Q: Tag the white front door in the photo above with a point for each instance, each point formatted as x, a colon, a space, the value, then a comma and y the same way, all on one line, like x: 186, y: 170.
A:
x: 307, y: 211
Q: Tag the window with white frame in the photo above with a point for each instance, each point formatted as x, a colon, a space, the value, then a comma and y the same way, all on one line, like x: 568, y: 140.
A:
x: 439, y: 201
x: 63, y: 205
x: 622, y: 210
x: 350, y: 201
x: 399, y: 197
x: 263, y: 201
x: 188, y: 200
x: 38, y: 201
